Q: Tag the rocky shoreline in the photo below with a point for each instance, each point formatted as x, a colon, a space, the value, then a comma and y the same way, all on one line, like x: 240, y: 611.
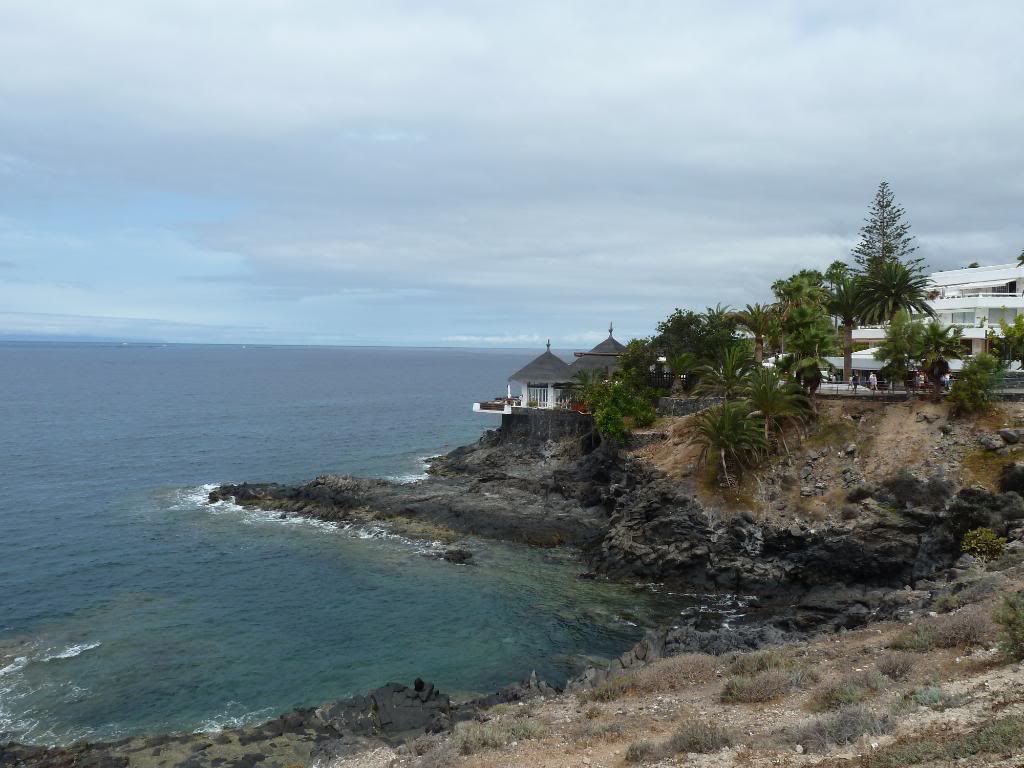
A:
x: 896, y: 541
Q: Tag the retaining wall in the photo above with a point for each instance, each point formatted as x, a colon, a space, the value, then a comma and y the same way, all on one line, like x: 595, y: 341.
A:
x: 539, y: 425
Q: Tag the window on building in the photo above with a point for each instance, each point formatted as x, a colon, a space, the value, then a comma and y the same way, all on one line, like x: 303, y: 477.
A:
x: 963, y: 318
x: 995, y: 315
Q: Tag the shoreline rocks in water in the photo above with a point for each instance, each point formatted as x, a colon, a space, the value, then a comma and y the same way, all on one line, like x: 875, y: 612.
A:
x: 391, y: 714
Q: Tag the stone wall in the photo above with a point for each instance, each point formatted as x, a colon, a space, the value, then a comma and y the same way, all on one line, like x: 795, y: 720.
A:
x: 538, y: 425
x: 684, y: 406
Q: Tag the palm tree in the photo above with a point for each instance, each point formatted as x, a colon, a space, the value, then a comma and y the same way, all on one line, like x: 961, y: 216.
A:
x: 936, y: 343
x: 811, y: 338
x: 586, y: 384
x: 775, y: 399
x: 760, y: 321
x: 683, y: 366
x: 728, y: 432
x: 891, y: 286
x: 796, y: 291
x: 845, y: 301
x: 728, y: 377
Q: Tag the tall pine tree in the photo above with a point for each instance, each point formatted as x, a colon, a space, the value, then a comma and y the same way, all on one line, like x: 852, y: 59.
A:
x: 885, y: 236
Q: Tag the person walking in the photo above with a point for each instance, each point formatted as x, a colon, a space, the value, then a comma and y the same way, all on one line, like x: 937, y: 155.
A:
x: 872, y: 382
x: 854, y: 382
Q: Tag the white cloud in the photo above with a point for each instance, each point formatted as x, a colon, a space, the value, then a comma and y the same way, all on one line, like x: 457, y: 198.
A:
x: 403, y: 171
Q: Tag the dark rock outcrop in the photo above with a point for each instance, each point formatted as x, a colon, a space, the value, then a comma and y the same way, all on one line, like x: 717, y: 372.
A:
x: 902, y: 531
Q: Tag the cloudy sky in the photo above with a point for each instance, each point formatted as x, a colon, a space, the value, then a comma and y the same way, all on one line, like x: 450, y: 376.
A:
x: 480, y: 173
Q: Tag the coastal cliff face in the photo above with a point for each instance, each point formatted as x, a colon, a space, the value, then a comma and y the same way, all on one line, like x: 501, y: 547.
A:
x: 630, y: 521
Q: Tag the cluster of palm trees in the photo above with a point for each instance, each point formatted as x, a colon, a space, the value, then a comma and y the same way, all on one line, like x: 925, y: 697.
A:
x: 800, y: 328
x: 799, y: 321
x: 758, y: 403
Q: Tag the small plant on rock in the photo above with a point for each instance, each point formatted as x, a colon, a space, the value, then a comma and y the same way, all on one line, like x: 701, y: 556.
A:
x: 983, y: 544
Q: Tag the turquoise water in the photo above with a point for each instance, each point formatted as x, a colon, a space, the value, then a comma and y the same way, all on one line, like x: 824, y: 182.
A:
x: 128, y: 604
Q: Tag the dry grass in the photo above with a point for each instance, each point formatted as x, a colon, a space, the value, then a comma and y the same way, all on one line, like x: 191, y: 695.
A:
x: 847, y: 690
x: 692, y: 736
x: 675, y: 673
x: 756, y: 689
x: 590, y: 733
x: 956, y: 630
x: 999, y: 737
x: 468, y: 738
x: 982, y: 467
x: 839, y: 728
x: 896, y: 666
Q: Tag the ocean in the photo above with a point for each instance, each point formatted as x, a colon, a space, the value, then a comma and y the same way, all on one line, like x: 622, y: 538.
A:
x: 130, y: 605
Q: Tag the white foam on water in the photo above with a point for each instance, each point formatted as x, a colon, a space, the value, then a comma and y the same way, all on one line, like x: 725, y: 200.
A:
x: 70, y: 653
x: 199, y: 497
x: 18, y: 663
x: 408, y: 478
x: 14, y: 687
x: 228, y: 719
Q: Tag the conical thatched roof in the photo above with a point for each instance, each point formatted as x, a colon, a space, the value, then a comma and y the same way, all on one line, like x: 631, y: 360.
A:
x: 609, y: 347
x: 545, y: 369
x: 603, y: 357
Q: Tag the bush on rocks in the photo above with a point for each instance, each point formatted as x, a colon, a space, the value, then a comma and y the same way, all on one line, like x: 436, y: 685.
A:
x: 983, y: 544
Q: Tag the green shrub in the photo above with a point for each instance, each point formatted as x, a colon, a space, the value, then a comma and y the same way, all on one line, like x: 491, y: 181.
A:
x: 983, y: 544
x: 947, y: 602
x: 697, y: 736
x: 974, y: 386
x: 1009, y: 615
x: 933, y: 697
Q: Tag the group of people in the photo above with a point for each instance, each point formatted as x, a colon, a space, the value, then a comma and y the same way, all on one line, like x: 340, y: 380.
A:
x: 872, y: 382
x: 920, y: 381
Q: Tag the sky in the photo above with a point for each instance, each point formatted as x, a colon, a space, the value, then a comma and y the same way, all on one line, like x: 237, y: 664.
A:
x: 480, y: 173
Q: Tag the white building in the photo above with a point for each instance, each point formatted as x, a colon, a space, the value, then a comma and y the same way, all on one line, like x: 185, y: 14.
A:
x: 547, y: 381
x: 973, y: 299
